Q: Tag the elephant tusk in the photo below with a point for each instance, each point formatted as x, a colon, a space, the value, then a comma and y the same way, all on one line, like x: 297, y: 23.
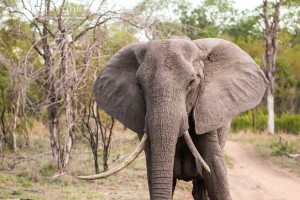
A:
x: 124, y: 164
x: 196, y: 154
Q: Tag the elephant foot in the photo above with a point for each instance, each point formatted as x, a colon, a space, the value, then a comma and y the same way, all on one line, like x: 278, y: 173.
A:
x: 199, y: 190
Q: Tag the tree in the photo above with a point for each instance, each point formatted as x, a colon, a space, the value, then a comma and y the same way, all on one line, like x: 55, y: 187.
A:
x: 57, y: 31
x: 209, y: 19
x: 93, y: 125
x: 96, y: 125
x: 15, y: 64
x: 271, y: 36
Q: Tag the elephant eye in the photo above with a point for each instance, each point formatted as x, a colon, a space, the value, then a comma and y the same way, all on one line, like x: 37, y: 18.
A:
x: 191, y: 83
x: 140, y: 86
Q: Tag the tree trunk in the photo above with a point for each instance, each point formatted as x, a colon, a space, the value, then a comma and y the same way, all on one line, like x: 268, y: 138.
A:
x: 254, y: 120
x: 271, y: 35
x: 66, y: 73
x: 51, y: 92
x: 94, y: 138
x: 3, y: 131
x: 95, y: 154
x: 15, y: 120
x: 107, y: 142
x: 54, y: 136
x: 270, y: 102
x: 25, y: 132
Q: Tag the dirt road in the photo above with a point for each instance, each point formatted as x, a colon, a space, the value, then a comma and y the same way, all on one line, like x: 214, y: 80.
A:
x: 253, y: 178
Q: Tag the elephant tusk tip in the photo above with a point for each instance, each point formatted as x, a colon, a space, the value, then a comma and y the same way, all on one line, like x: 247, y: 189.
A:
x: 80, y: 177
x: 208, y: 170
x: 206, y: 167
x: 92, y: 177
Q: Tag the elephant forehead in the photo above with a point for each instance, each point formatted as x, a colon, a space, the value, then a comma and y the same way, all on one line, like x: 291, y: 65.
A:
x: 167, y: 60
x: 173, y: 49
x: 185, y: 48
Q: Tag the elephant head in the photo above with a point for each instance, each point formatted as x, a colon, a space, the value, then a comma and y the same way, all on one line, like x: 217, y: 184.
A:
x: 155, y: 87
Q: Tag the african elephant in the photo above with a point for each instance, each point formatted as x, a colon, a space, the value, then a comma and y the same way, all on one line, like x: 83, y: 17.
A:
x: 180, y: 96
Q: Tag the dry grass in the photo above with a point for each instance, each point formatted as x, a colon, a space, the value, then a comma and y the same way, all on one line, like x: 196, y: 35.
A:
x: 228, y: 161
x: 274, y: 148
x: 31, y: 178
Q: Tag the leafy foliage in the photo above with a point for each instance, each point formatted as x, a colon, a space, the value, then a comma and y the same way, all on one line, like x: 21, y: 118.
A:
x: 256, y: 120
x: 218, y: 18
x: 281, y: 147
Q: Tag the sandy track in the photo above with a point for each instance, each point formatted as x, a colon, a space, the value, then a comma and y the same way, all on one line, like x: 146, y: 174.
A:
x: 253, y: 178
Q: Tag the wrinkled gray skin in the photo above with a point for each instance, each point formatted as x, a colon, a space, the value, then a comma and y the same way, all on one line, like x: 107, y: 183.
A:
x: 165, y: 87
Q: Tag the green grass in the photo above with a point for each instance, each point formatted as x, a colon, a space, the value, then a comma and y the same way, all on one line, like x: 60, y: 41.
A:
x: 5, y: 178
x: 48, y: 170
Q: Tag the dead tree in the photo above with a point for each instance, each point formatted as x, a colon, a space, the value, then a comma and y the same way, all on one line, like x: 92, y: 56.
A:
x: 90, y: 121
x: 271, y: 36
x: 94, y: 125
x: 12, y: 97
x: 106, y: 131
x: 3, y: 123
x: 56, y: 32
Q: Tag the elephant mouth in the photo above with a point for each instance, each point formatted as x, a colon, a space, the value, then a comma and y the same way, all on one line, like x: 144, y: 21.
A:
x: 199, y: 160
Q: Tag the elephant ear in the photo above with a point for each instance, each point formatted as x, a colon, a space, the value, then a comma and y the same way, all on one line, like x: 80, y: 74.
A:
x: 232, y: 83
x: 116, y: 90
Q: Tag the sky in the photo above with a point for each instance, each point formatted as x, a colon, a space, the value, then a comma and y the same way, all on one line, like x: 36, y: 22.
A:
x: 239, y: 4
x: 247, y: 4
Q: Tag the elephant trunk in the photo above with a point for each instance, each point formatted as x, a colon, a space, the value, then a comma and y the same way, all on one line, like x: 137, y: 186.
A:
x: 162, y: 161
x: 164, y: 120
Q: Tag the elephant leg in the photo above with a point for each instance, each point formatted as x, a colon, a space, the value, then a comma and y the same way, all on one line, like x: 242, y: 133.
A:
x: 222, y: 134
x: 199, y: 190
x: 216, y: 182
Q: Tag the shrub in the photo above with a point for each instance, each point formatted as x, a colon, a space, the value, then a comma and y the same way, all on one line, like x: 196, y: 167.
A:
x: 281, y: 147
x: 242, y: 123
x: 23, y: 175
x: 48, y: 170
x: 25, y: 182
x: 245, y: 121
x: 286, y: 123
x: 261, y: 120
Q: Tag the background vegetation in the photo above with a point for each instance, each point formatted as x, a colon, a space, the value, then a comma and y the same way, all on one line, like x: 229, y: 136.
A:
x: 52, y: 51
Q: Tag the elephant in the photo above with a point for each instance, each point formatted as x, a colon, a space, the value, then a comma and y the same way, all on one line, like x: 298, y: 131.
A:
x: 180, y: 96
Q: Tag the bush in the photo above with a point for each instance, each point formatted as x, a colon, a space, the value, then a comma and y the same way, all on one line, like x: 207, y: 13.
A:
x: 261, y: 121
x: 280, y: 147
x: 245, y: 121
x: 286, y: 123
x: 25, y: 182
x: 48, y: 170
x: 242, y: 123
